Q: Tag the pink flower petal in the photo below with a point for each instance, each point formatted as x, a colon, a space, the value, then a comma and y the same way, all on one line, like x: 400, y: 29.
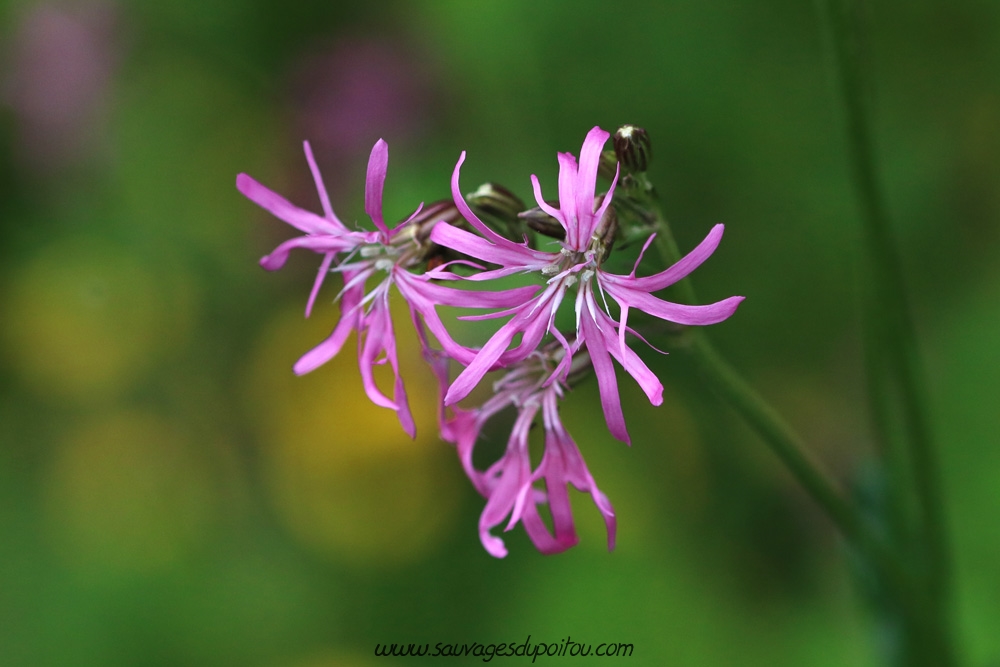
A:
x: 590, y: 157
x: 545, y: 206
x: 505, y: 254
x: 630, y: 361
x: 378, y: 164
x: 675, y: 312
x: 324, y: 269
x: 567, y: 199
x: 483, y: 363
x: 324, y: 198
x: 606, y: 202
x: 284, y: 210
x: 467, y: 213
x: 328, y: 349
x: 679, y: 270
x: 378, y: 334
x: 321, y: 244
x: 607, y: 384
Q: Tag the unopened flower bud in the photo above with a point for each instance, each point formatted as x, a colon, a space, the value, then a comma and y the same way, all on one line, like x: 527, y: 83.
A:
x: 496, y: 199
x: 500, y: 204
x: 416, y: 237
x: 543, y: 223
x: 633, y: 148
x: 580, y: 368
x: 430, y: 215
x: 607, y: 166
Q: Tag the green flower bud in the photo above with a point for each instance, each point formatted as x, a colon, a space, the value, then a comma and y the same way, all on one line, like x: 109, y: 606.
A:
x: 543, y: 223
x: 607, y: 167
x: 500, y: 204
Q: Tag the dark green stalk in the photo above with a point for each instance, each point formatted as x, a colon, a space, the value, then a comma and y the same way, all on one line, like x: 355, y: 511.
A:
x: 780, y: 437
x: 895, y: 330
x: 793, y: 453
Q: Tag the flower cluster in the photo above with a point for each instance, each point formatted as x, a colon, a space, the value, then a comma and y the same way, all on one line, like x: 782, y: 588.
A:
x: 537, y: 360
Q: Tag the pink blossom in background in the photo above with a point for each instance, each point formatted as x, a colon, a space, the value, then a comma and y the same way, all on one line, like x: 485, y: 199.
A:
x: 56, y: 77
x: 358, y: 89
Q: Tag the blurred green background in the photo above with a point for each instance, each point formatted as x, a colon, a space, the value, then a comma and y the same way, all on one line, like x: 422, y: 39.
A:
x: 170, y: 494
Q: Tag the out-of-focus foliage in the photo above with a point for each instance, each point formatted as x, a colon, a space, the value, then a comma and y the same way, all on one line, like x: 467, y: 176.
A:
x: 170, y: 494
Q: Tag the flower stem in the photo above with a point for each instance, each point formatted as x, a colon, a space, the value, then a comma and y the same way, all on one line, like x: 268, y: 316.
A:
x: 893, y: 333
x: 780, y: 438
x: 791, y: 450
x: 789, y: 447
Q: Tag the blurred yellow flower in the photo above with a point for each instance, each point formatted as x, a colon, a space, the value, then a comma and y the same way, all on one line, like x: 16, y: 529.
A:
x: 84, y: 320
x: 127, y: 492
x: 342, y: 474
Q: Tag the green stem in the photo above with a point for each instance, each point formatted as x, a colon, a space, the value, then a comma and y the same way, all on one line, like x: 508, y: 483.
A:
x: 789, y: 447
x: 895, y: 337
x: 780, y: 438
x: 791, y: 450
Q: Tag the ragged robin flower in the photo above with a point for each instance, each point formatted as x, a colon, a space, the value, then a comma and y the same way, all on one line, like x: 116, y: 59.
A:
x: 533, y: 386
x: 395, y: 256
x: 587, y: 222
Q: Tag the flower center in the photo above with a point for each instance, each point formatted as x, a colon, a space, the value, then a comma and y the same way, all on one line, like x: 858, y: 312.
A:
x: 383, y: 257
x: 568, y: 259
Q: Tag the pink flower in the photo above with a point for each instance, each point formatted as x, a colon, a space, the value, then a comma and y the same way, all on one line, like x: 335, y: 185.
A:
x: 357, y: 87
x: 577, y: 264
x: 391, y: 256
x: 56, y: 74
x: 508, y: 485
